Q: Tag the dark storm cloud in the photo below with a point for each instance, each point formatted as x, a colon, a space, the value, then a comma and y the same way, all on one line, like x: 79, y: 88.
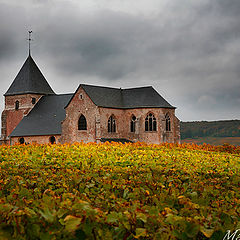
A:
x: 188, y: 50
x: 9, y: 31
x: 104, y: 45
x: 227, y: 8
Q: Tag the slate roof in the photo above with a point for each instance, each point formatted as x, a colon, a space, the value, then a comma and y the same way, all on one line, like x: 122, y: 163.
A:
x: 143, y: 97
x: 119, y: 140
x: 29, y: 80
x: 45, y: 118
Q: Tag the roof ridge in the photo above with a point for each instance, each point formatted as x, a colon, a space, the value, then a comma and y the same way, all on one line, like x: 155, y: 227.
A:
x: 61, y: 94
x: 90, y: 85
x: 137, y: 87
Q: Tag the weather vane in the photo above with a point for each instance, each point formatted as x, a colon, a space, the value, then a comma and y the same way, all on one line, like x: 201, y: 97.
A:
x: 29, y: 41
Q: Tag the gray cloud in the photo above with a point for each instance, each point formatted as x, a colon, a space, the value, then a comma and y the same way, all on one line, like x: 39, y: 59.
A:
x: 188, y: 50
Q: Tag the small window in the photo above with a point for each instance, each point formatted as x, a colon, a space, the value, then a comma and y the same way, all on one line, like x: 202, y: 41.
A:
x: 21, y: 140
x: 17, y: 105
x: 111, y: 124
x: 80, y: 96
x: 168, y: 123
x: 133, y: 124
x: 82, y: 123
x: 33, y: 100
x: 52, y: 140
x: 150, y: 123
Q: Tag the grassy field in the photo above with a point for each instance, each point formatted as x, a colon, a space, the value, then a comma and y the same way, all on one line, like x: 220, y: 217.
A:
x: 214, y: 140
x: 116, y: 191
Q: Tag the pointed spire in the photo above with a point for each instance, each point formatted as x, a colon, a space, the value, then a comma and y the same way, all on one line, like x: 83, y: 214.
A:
x: 29, y: 80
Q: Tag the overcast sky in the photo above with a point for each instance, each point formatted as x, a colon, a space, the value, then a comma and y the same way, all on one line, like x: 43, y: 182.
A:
x: 188, y: 50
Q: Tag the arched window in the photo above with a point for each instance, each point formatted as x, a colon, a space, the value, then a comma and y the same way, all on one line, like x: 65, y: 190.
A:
x: 150, y: 123
x: 133, y: 124
x: 52, y: 140
x: 82, y: 123
x: 111, y: 124
x: 17, y: 105
x: 168, y: 122
x: 21, y: 140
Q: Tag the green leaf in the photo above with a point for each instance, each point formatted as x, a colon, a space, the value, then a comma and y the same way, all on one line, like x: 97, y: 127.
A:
x: 125, y: 193
x: 141, y: 232
x: 72, y: 223
x: 33, y: 231
x: 173, y: 219
x: 61, y: 212
x: 24, y: 192
x: 45, y: 236
x: 112, y: 217
x: 142, y: 217
x: 207, y: 232
x: 47, y: 215
x: 191, y: 229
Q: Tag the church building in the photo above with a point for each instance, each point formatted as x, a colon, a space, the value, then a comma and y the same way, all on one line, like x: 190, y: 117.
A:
x: 34, y: 113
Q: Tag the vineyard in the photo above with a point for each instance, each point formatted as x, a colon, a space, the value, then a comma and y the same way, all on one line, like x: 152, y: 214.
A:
x: 119, y: 191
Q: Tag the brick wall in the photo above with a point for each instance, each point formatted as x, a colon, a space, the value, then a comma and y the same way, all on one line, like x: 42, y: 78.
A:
x: 80, y: 104
x: 123, y: 121
x: 35, y: 139
x: 97, y: 123
x: 10, y: 116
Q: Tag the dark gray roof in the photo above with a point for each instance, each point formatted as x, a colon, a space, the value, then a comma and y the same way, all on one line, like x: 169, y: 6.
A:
x: 29, y: 80
x: 45, y: 118
x: 120, y: 140
x: 143, y: 97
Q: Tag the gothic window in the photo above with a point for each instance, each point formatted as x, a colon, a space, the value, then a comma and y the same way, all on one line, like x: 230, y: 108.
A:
x: 21, y: 140
x: 17, y: 105
x: 111, y: 124
x: 52, y: 140
x: 133, y: 124
x: 168, y: 122
x: 82, y: 123
x: 33, y: 100
x: 150, y: 123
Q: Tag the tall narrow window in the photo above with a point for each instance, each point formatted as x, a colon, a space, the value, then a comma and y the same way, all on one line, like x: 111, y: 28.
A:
x: 133, y: 124
x: 82, y: 123
x: 17, y: 105
x: 111, y: 124
x: 168, y: 122
x: 150, y: 123
x: 33, y: 100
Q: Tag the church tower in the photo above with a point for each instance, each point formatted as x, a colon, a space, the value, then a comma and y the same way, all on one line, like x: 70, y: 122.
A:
x: 25, y: 91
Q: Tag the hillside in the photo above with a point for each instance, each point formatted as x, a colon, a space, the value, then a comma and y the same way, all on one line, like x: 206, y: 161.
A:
x: 230, y: 128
